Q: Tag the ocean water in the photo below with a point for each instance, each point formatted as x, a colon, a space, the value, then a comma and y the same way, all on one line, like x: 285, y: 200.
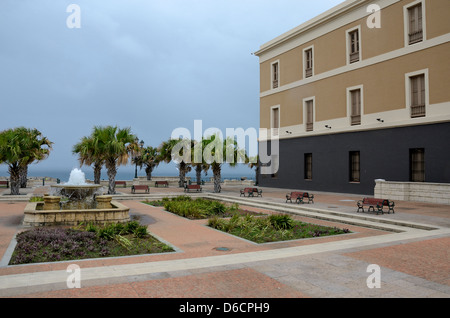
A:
x: 128, y: 174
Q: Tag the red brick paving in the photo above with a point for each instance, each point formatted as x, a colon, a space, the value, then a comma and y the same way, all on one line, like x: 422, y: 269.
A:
x: 428, y: 259
x: 239, y: 283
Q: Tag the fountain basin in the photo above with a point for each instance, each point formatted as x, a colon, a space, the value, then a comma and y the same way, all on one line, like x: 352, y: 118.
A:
x: 107, y: 211
x: 77, y: 192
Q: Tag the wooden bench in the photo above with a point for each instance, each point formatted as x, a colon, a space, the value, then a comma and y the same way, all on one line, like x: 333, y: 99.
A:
x: 300, y: 197
x: 193, y: 187
x: 251, y: 192
x: 162, y: 183
x: 5, y: 183
x: 373, y: 203
x: 122, y: 182
x: 140, y: 187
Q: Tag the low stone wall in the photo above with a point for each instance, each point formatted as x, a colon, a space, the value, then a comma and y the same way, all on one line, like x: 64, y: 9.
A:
x: 438, y: 193
x: 238, y: 182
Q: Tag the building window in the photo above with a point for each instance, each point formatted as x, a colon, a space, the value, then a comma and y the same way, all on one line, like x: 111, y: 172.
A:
x: 417, y: 91
x: 275, y: 74
x: 417, y: 164
x: 354, y: 164
x: 415, y: 24
x: 355, y: 104
x: 308, y: 62
x: 354, y: 46
x: 275, y: 118
x: 309, y: 114
x: 308, y: 166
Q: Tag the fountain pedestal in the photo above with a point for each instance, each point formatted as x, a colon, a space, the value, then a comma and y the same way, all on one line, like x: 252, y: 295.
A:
x: 52, y: 202
x: 104, y: 201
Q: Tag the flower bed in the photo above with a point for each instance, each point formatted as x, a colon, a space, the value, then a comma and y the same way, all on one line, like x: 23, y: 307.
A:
x: 273, y: 228
x: 199, y: 208
x: 51, y: 244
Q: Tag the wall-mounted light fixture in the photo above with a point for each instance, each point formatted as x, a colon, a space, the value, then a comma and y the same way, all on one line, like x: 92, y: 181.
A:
x: 380, y: 120
x: 326, y: 126
x: 289, y: 132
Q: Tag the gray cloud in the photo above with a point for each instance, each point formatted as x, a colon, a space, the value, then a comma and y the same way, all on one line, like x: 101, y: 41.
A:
x: 149, y: 65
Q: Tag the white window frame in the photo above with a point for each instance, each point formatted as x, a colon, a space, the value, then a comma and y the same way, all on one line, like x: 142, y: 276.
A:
x: 305, y: 100
x: 271, y: 74
x: 408, y: 90
x: 349, y: 102
x: 304, y: 61
x: 406, y: 21
x: 347, y: 37
x: 275, y: 131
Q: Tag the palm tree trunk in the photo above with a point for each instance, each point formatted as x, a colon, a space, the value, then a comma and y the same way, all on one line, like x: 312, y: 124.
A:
x: 97, y: 172
x: 111, y: 171
x: 257, y: 176
x: 198, y: 171
x: 14, y: 176
x: 182, y: 168
x: 23, y: 176
x: 148, y: 172
x: 217, y: 177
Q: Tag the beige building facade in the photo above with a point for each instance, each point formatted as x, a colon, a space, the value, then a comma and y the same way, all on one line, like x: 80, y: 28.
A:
x: 364, y: 75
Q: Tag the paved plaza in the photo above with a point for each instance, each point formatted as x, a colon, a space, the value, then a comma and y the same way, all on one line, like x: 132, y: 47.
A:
x: 411, y: 249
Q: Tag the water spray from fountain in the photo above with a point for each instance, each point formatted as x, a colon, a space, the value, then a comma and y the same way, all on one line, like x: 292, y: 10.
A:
x: 77, y: 177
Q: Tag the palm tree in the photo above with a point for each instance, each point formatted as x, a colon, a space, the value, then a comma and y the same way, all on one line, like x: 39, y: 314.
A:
x: 116, y: 146
x: 198, y: 161
x: 33, y: 151
x: 253, y: 162
x: 150, y: 159
x: 19, y: 147
x: 88, y: 154
x: 170, y: 151
x: 215, y: 150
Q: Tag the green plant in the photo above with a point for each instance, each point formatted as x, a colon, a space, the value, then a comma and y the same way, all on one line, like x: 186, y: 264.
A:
x: 281, y: 221
x: 36, y: 199
x: 140, y: 231
x: 130, y: 227
x: 90, y: 227
x: 123, y: 241
x: 107, y: 232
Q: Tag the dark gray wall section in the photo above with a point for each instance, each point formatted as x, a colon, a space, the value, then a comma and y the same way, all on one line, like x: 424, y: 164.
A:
x: 384, y: 154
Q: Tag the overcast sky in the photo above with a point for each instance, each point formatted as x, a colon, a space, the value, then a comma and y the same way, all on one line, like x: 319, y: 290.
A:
x: 152, y: 65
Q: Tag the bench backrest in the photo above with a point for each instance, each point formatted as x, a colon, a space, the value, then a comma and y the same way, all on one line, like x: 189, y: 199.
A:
x: 193, y: 186
x: 375, y: 201
x: 299, y: 194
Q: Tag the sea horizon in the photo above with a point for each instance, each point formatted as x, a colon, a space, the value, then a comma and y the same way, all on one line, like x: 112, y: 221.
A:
x: 128, y: 174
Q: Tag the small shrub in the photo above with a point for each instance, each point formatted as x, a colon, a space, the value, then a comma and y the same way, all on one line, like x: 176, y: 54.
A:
x: 281, y: 221
x: 140, y: 231
x: 131, y: 226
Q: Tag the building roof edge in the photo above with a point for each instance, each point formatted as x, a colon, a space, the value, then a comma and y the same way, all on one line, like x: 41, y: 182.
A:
x: 320, y: 19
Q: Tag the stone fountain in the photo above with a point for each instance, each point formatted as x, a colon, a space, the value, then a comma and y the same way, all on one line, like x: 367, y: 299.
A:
x: 74, y: 202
